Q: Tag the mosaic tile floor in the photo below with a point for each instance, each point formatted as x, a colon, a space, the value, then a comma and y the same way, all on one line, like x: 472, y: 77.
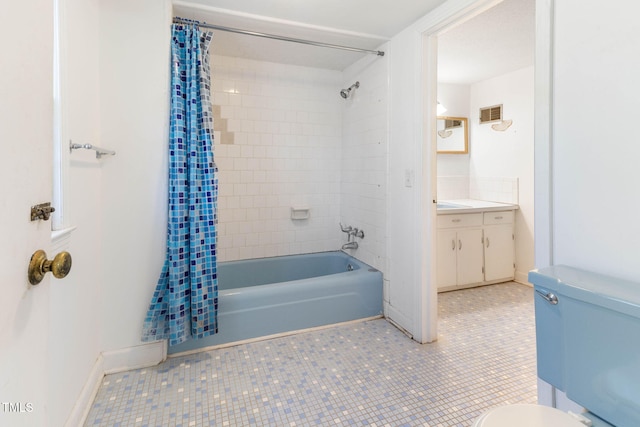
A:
x: 361, y: 374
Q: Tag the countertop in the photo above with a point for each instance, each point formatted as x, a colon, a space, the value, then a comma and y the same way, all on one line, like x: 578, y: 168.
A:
x: 473, y: 206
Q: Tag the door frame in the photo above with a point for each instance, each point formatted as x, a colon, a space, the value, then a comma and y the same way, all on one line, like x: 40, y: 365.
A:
x: 450, y: 14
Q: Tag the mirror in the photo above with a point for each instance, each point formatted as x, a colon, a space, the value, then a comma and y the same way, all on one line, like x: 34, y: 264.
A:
x: 452, y: 135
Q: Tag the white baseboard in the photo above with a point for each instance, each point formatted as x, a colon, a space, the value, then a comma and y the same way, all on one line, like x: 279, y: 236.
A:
x: 81, y: 409
x: 110, y: 362
x: 140, y: 356
x: 522, y: 277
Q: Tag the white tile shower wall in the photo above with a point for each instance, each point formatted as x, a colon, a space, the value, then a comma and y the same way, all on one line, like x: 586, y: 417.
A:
x: 494, y: 189
x: 286, y: 150
x: 364, y: 159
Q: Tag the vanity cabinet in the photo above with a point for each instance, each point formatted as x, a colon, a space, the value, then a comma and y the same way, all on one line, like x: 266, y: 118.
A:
x: 474, y: 249
x: 499, y: 246
x: 460, y: 250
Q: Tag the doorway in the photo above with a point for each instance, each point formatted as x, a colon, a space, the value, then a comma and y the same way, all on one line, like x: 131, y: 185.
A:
x: 451, y: 35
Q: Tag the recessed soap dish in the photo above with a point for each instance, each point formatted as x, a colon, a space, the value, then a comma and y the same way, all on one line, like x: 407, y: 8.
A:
x: 300, y: 213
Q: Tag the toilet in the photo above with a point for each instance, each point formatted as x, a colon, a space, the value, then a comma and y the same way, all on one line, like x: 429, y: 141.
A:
x: 588, y: 346
x: 527, y: 415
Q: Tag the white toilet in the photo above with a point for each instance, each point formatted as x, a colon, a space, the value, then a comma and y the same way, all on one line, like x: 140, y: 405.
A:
x: 587, y: 329
x: 528, y: 415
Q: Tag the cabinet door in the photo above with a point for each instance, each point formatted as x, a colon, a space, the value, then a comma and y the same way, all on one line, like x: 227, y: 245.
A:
x: 470, y: 256
x: 499, y: 252
x: 446, y: 258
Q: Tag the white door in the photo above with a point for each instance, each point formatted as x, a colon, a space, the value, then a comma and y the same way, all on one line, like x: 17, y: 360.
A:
x: 26, y: 129
x: 446, y: 253
x: 470, y: 257
x: 499, y: 252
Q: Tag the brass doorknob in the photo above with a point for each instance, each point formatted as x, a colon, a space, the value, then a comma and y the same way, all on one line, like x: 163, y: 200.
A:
x: 39, y: 266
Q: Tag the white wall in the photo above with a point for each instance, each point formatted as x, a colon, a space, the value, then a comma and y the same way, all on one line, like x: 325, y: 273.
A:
x: 455, y: 98
x: 364, y: 158
x: 403, y: 203
x: 277, y: 146
x: 134, y: 82
x: 508, y: 153
x: 595, y: 149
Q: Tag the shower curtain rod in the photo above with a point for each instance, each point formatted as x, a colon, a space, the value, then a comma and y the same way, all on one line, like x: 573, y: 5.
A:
x: 276, y: 37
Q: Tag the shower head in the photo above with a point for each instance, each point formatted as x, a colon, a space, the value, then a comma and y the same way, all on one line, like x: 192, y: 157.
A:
x: 345, y: 93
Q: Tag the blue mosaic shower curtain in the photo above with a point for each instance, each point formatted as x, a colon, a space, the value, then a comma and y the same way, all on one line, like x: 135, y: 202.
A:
x: 184, y: 304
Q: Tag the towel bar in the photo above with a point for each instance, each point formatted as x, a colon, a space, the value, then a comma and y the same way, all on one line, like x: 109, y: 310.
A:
x: 99, y: 151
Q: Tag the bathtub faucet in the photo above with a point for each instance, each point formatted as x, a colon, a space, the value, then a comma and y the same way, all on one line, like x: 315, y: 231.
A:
x: 357, y: 233
x: 346, y: 229
x: 351, y: 232
x: 350, y: 245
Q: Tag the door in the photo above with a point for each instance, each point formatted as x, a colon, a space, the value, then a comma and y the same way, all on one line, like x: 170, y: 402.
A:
x: 446, y: 255
x: 470, y: 257
x: 499, y: 252
x: 26, y: 123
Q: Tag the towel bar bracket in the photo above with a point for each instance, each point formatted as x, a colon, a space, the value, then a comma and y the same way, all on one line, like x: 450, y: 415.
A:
x: 99, y: 151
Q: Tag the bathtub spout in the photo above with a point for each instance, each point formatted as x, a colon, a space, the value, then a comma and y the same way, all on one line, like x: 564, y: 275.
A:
x: 350, y: 245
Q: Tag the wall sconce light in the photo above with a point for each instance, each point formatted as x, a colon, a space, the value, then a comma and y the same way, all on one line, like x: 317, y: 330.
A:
x: 502, y: 126
x: 445, y: 133
x: 441, y: 109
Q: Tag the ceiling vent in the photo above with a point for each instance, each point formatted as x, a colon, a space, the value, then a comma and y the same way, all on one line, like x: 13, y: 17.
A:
x: 491, y: 114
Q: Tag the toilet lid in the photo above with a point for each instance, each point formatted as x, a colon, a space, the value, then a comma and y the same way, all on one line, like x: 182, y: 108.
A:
x: 526, y: 415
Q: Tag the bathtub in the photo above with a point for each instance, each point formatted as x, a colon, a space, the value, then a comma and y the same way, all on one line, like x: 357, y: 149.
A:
x: 267, y: 296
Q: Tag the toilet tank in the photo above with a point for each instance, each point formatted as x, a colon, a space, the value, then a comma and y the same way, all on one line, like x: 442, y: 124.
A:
x: 550, y: 336
x: 588, y: 340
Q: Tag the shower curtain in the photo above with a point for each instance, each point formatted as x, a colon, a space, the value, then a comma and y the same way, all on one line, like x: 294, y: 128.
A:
x: 184, y: 304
